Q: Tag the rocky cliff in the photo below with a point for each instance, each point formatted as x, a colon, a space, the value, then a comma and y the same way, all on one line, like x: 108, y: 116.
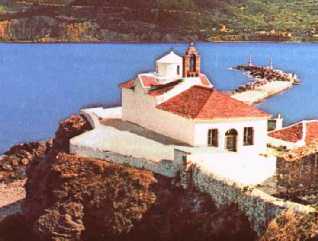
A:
x: 74, y: 198
x: 14, y: 162
x: 68, y: 128
x: 70, y: 198
x: 292, y: 226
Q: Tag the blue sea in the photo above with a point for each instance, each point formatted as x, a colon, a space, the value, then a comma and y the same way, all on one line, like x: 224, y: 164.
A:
x: 41, y: 84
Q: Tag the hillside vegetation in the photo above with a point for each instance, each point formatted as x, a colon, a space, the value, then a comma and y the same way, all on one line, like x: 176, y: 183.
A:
x: 159, y: 20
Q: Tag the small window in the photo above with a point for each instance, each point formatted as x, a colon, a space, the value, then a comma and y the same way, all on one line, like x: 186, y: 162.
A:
x: 248, y: 136
x: 213, y: 137
x: 178, y: 70
x: 271, y: 125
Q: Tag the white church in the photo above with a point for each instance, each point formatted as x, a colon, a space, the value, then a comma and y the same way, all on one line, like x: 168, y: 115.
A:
x: 180, y: 102
x: 175, y: 114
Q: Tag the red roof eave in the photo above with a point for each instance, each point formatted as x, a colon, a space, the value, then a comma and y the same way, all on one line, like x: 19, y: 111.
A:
x: 127, y: 85
x: 164, y: 88
x: 148, y: 81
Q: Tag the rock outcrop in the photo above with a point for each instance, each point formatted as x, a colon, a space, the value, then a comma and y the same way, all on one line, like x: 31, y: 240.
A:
x: 73, y: 198
x: 70, y: 198
x: 290, y: 226
x: 14, y: 162
x: 68, y: 128
x: 14, y: 228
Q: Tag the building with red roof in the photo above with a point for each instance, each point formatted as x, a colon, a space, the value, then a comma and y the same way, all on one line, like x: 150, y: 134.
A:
x: 205, y: 103
x: 180, y: 102
x: 300, y: 134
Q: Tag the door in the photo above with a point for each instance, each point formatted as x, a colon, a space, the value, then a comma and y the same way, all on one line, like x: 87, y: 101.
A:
x: 231, y: 140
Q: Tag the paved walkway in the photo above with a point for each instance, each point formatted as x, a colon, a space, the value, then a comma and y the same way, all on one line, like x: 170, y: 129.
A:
x: 113, y: 134
x: 126, y: 142
x: 248, y: 168
x: 263, y: 92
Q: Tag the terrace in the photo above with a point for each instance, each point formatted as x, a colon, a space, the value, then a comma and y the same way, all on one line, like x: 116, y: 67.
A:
x: 128, y: 139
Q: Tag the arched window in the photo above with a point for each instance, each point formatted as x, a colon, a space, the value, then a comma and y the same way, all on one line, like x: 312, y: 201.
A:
x: 192, y: 63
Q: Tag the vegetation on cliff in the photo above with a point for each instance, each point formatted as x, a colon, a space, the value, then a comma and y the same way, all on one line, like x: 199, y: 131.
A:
x: 158, y: 20
x: 291, y: 226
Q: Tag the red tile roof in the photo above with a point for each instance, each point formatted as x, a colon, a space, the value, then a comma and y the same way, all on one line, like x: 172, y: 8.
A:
x: 148, y: 81
x: 128, y: 84
x: 161, y: 89
x: 296, y: 132
x: 293, y: 133
x: 311, y: 132
x: 200, y: 102
x: 151, y: 81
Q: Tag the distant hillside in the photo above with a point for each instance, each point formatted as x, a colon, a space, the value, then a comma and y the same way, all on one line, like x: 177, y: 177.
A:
x: 159, y: 20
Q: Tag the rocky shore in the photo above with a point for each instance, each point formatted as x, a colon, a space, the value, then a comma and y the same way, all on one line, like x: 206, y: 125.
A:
x: 72, y: 198
x: 14, y: 163
x: 265, y: 82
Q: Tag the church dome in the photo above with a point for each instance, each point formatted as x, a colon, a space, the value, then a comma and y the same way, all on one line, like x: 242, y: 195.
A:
x: 170, y: 58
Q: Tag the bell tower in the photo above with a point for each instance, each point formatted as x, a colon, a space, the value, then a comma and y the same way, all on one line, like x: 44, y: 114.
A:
x: 191, y: 62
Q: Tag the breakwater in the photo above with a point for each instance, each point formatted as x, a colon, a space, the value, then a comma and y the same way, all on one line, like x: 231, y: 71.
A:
x: 264, y: 83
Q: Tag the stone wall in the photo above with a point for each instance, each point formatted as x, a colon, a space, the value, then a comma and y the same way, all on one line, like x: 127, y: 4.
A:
x: 259, y: 207
x: 297, y: 177
x: 168, y: 168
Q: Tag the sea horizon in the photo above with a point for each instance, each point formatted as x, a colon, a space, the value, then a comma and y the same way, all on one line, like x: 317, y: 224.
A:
x: 44, y: 83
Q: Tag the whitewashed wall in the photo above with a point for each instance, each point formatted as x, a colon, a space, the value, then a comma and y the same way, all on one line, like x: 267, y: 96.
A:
x: 170, y: 70
x: 141, y: 109
x: 168, y: 168
x: 260, y: 133
x: 281, y: 143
